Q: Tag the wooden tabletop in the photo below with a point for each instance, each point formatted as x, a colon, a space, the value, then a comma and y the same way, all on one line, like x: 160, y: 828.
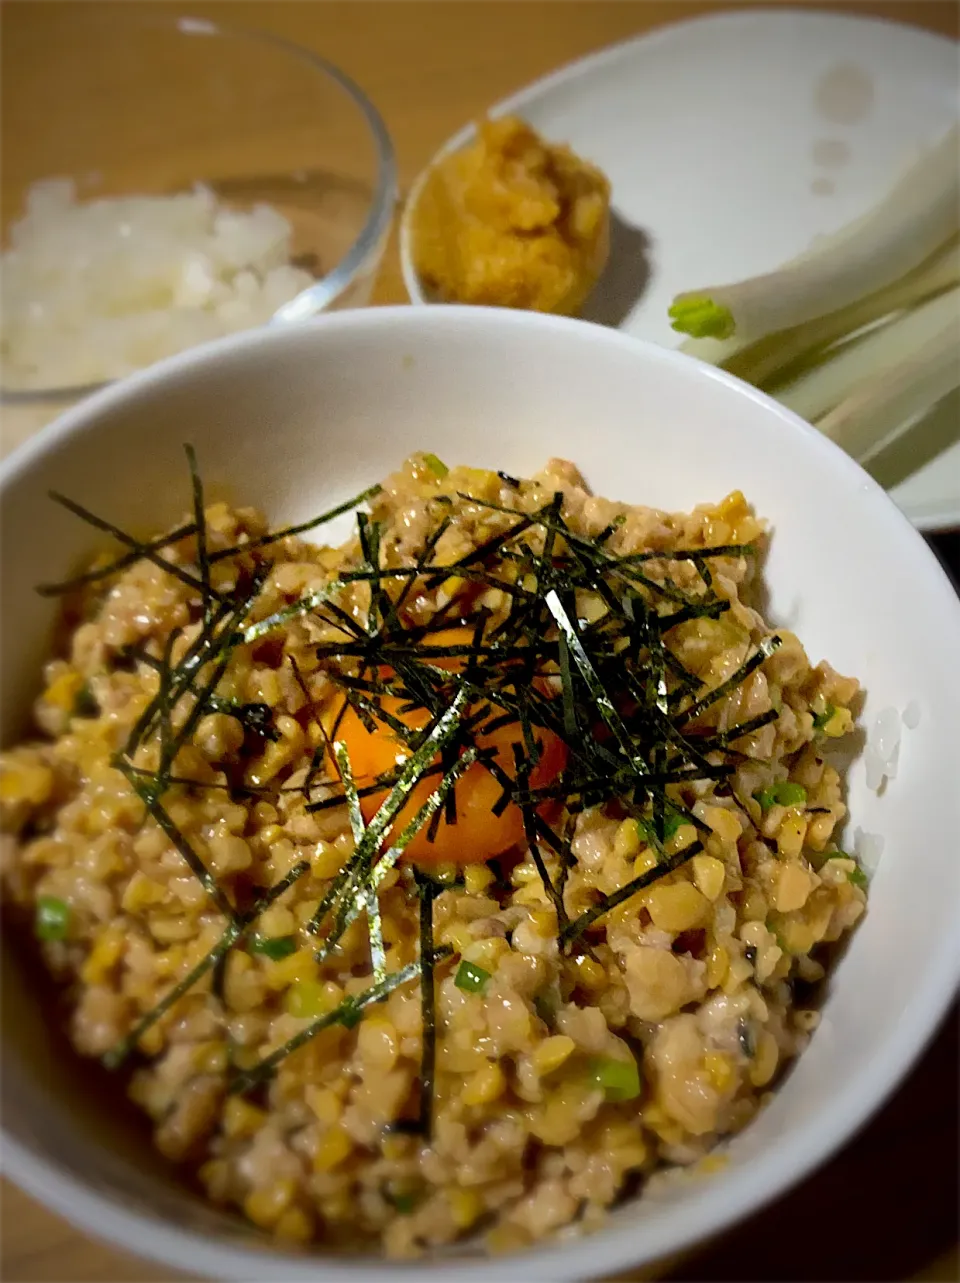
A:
x: 886, y: 1207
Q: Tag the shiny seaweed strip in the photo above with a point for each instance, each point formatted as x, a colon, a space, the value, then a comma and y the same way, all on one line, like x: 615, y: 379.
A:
x: 220, y: 644
x: 692, y: 554
x: 163, y: 687
x: 340, y: 618
x: 197, y: 654
x: 386, y: 651
x: 322, y: 749
x: 443, y: 729
x: 369, y: 534
x: 485, y: 550
x: 371, y: 712
x: 392, y: 615
x: 737, y: 732
x: 200, y: 520
x: 346, y: 1014
x: 119, y: 564
x: 382, y: 783
x: 767, y: 647
x: 233, y: 934
x: 115, y: 1057
x: 598, y: 694
x: 189, y: 782
x: 705, y: 573
x: 147, y: 794
x: 608, y: 902
x: 264, y: 540
x: 191, y: 721
x: 522, y: 768
x: 614, y: 565
x: 378, y: 953
x: 616, y: 783
x: 142, y: 550
x: 371, y: 903
x: 342, y: 758
x: 302, y: 606
x: 428, y: 1002
x: 694, y: 610
x: 363, y: 875
x: 434, y: 576
x: 252, y: 716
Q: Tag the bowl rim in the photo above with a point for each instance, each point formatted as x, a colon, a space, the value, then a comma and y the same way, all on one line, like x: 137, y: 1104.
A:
x: 315, y: 298
x: 743, y: 1190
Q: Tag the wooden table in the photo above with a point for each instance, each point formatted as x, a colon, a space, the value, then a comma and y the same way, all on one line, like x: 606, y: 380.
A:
x: 886, y: 1207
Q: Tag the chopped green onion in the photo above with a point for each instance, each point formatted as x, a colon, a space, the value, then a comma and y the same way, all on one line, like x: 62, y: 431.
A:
x: 351, y: 1017
x: 84, y: 705
x: 820, y: 719
x: 52, y: 918
x: 855, y: 875
x: 436, y: 466
x: 785, y: 793
x: 619, y: 1079
x: 673, y: 821
x: 701, y: 318
x: 306, y: 1000
x: 471, y: 978
x: 547, y: 1005
x: 790, y: 794
x: 274, y: 947
x: 404, y: 1203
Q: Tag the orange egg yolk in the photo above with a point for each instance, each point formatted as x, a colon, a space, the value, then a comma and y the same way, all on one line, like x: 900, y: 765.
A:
x: 478, y: 834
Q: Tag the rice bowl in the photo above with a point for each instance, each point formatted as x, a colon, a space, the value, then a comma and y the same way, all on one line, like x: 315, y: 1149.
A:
x: 676, y: 479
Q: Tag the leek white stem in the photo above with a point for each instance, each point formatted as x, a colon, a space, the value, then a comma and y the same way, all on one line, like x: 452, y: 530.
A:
x: 866, y: 361
x: 760, y: 362
x: 720, y: 351
x: 897, y: 235
x: 883, y: 408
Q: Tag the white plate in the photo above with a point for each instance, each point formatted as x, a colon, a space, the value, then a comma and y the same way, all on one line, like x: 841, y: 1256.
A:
x: 731, y: 142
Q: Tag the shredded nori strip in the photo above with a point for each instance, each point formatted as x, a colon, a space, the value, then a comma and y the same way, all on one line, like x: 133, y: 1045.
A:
x: 608, y: 902
x: 346, y: 1014
x: 234, y: 934
x: 200, y: 521
x: 118, y: 565
x: 262, y: 541
x: 144, y: 550
x: 428, y: 892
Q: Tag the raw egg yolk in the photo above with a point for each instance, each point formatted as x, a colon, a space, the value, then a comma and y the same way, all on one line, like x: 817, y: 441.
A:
x: 478, y: 833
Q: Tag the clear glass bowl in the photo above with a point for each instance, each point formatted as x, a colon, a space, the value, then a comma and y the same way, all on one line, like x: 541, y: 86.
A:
x: 125, y: 101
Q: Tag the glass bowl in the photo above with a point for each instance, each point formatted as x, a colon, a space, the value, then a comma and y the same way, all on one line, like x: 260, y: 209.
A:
x: 124, y: 101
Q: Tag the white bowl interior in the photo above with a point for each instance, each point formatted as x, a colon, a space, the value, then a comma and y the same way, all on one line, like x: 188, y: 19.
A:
x: 294, y: 420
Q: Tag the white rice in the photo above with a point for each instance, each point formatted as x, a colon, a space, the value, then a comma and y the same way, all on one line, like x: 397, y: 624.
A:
x: 92, y: 291
x: 868, y: 848
x: 883, y: 748
x: 881, y: 758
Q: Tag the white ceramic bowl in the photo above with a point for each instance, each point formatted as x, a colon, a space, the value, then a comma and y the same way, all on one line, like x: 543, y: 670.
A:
x: 291, y: 419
